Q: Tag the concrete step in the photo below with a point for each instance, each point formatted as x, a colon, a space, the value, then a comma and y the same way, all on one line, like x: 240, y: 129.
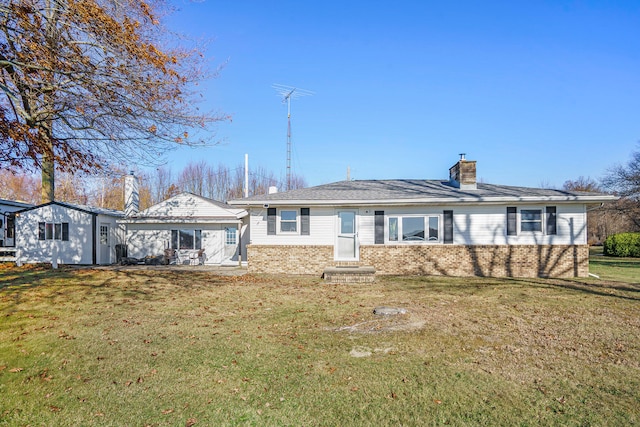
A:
x: 349, y: 274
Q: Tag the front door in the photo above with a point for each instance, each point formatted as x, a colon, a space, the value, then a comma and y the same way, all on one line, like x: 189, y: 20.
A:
x: 105, y: 247
x: 347, y: 237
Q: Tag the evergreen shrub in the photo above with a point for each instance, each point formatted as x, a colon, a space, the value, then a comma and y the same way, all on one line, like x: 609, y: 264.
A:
x: 623, y: 245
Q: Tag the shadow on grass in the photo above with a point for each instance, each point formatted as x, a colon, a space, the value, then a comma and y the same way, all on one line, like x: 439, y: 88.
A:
x: 606, y: 289
x: 18, y: 283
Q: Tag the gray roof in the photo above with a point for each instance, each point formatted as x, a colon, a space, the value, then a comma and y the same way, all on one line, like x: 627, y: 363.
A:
x: 415, y: 191
x: 15, y: 203
x: 82, y: 208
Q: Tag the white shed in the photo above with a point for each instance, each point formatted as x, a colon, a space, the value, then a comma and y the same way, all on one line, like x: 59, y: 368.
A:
x: 63, y: 233
x: 188, y: 224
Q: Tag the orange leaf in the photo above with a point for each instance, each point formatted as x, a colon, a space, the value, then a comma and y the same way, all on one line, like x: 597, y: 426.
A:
x: 167, y: 411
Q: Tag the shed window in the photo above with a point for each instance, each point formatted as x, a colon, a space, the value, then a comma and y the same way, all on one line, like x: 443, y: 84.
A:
x: 53, y: 231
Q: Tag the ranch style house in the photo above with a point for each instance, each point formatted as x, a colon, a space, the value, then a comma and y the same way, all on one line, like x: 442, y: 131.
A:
x: 455, y: 226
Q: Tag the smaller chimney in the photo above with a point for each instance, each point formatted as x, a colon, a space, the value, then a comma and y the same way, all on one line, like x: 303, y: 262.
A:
x: 131, y: 195
x: 462, y: 175
x: 273, y: 189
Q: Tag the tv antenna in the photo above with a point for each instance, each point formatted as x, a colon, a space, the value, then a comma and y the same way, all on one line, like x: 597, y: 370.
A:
x: 288, y: 93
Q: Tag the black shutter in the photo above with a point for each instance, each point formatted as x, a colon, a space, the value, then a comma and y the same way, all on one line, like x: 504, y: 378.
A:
x: 65, y: 231
x: 512, y: 221
x: 174, y: 239
x: 551, y: 220
x: 271, y: 221
x: 379, y: 226
x: 41, y: 227
x: 448, y: 226
x: 304, y: 222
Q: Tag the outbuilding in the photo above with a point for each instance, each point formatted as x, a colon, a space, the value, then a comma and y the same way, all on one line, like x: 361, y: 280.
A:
x: 64, y: 233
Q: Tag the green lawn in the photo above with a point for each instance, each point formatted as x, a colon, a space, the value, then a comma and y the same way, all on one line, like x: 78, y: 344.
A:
x: 137, y: 348
x: 612, y: 268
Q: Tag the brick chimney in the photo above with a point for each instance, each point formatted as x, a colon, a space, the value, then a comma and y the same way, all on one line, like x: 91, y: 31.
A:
x: 462, y: 175
x: 131, y: 195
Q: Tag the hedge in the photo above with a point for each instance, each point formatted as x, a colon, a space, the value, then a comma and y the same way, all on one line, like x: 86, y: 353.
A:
x: 623, y: 245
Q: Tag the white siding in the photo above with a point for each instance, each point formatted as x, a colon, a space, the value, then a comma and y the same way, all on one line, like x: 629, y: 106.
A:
x: 473, y: 225
x: 188, y: 205
x: 77, y: 250
x: 321, y: 226
x: 152, y: 239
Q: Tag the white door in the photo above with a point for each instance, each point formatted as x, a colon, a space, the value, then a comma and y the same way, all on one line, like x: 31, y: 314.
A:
x: 105, y: 247
x: 214, y: 246
x: 347, y: 237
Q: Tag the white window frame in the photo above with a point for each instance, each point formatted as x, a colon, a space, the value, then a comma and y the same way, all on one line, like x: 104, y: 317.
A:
x: 231, y: 235
x: 296, y: 221
x: 195, y: 234
x: 399, y: 229
x: 542, y: 211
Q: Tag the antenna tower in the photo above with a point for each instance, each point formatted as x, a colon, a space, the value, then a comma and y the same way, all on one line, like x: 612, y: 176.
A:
x: 288, y: 93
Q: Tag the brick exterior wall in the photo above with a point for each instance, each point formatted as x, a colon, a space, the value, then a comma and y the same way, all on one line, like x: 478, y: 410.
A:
x: 446, y: 260
x: 289, y: 259
x: 481, y: 260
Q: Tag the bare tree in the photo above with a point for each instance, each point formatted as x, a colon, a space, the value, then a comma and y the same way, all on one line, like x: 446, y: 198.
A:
x: 587, y: 184
x: 192, y: 178
x: 624, y: 180
x: 19, y: 186
x: 89, y: 83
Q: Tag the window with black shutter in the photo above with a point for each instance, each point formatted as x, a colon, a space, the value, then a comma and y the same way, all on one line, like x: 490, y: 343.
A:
x: 271, y: 221
x: 512, y: 221
x: 304, y: 222
x: 448, y: 226
x: 41, y: 231
x: 551, y: 220
x: 379, y: 227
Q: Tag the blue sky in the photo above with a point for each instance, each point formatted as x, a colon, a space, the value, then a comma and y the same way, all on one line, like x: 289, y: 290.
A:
x: 536, y: 92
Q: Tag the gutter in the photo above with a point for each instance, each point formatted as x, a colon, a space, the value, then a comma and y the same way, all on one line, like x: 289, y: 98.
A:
x: 422, y: 202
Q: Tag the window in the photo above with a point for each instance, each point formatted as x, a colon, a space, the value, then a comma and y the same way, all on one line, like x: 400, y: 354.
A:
x: 186, y: 239
x: 53, y: 231
x: 536, y: 220
x: 393, y: 229
x: 414, y: 229
x: 433, y: 228
x: 288, y: 221
x: 531, y: 220
x: 104, y: 235
x: 48, y: 231
x: 231, y: 238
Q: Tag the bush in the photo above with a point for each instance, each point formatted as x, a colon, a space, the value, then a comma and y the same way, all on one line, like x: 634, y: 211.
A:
x: 623, y: 245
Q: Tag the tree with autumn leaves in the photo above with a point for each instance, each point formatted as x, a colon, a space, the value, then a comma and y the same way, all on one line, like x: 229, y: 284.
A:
x: 87, y: 84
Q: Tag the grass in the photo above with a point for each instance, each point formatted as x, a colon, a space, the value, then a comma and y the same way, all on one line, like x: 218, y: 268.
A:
x: 105, y: 347
x: 614, y: 268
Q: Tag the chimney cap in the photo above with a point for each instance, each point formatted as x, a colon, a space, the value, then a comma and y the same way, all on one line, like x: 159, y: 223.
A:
x: 462, y: 156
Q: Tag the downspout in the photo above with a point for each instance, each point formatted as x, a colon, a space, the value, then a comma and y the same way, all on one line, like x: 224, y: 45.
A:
x: 239, y: 243
x: 94, y: 228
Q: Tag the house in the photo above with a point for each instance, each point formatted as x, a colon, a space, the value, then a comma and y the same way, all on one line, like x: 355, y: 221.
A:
x: 197, y: 229
x: 64, y: 233
x: 455, y: 226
